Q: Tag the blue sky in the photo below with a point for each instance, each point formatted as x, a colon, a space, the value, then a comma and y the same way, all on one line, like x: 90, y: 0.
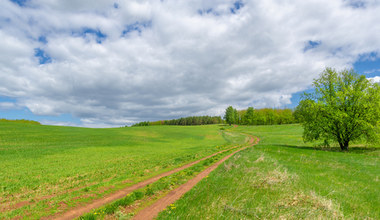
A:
x: 369, y: 68
x: 110, y: 63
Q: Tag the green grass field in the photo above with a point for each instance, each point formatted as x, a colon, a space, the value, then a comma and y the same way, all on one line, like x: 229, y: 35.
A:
x: 283, y: 178
x: 45, y: 169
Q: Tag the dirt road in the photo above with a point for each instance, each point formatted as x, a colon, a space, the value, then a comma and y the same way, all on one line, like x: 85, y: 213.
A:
x: 81, y: 210
x: 153, y: 210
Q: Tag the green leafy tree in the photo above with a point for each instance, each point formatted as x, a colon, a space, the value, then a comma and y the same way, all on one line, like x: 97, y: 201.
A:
x: 344, y: 107
x: 236, y: 117
x: 248, y: 116
x: 231, y: 115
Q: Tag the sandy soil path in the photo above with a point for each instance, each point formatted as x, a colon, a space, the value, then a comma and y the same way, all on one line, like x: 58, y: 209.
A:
x: 153, y: 210
x: 78, y: 211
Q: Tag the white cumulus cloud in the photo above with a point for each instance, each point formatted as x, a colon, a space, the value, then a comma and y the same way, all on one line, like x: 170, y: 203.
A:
x: 112, y: 63
x: 375, y: 79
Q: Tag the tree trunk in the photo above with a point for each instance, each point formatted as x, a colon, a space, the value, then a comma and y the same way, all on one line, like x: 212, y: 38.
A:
x: 344, y: 145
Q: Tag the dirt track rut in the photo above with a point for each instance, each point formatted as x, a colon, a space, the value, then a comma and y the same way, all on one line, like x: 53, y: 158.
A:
x: 153, y: 210
x: 79, y: 211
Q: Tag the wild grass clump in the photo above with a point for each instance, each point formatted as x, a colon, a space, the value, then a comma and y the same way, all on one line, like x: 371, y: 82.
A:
x: 113, y: 207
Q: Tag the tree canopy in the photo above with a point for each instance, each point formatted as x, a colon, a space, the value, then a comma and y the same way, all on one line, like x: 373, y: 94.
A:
x: 344, y: 107
x: 231, y: 115
x: 264, y: 116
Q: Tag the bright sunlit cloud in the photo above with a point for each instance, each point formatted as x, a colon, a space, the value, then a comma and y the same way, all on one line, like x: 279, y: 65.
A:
x: 112, y: 63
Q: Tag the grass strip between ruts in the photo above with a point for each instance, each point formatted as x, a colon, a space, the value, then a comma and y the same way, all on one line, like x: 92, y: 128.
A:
x: 165, y: 183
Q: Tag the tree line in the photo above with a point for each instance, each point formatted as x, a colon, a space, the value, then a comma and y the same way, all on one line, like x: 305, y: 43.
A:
x: 264, y: 116
x: 22, y: 121
x: 250, y: 116
x: 192, y: 120
x: 344, y: 107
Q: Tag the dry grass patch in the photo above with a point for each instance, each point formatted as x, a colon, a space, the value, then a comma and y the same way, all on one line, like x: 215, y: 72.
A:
x: 274, y: 177
x: 312, y: 205
x: 260, y: 159
x: 231, y: 164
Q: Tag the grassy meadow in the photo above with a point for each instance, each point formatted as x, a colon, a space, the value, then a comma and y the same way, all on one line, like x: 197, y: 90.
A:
x: 45, y: 169
x: 284, y: 178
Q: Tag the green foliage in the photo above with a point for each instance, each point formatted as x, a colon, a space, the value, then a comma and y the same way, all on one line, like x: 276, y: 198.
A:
x: 265, y: 116
x: 192, y: 120
x: 231, y: 116
x: 143, y: 123
x: 344, y: 107
x: 21, y: 121
x: 249, y: 116
x: 195, y: 120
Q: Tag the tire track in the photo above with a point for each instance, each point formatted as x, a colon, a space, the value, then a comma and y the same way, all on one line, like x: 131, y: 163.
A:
x: 153, y: 210
x: 81, y: 210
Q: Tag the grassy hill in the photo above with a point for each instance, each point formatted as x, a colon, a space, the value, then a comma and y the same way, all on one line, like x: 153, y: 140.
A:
x: 50, y: 168
x: 283, y: 178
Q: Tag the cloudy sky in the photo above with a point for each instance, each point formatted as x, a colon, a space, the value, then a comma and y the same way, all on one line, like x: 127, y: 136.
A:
x: 101, y: 63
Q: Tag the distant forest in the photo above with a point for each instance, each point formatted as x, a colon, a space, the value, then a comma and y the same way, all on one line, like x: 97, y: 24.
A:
x: 264, y: 116
x: 193, y: 120
x: 22, y: 121
x: 250, y: 116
